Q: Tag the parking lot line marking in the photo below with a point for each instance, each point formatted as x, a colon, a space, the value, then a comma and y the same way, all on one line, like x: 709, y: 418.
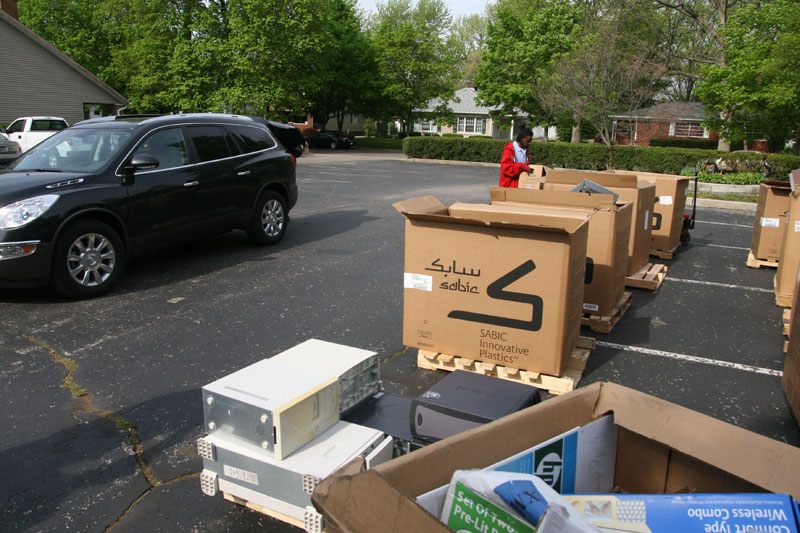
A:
x: 715, y: 284
x: 725, y: 246
x: 691, y: 358
x: 328, y: 181
x: 727, y: 224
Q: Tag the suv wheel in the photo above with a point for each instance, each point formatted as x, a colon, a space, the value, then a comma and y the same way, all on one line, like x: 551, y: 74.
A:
x: 269, y: 219
x: 333, y: 145
x: 88, y: 259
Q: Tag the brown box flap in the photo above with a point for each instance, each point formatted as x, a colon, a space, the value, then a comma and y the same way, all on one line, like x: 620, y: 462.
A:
x: 421, y: 205
x: 767, y: 463
x: 550, y: 197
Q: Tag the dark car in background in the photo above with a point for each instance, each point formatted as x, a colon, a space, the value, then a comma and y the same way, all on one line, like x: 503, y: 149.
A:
x: 77, y: 206
x: 331, y: 139
x: 9, y: 151
x: 288, y: 135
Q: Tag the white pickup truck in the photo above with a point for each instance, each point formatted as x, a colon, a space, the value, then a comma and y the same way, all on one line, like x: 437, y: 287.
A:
x: 30, y: 131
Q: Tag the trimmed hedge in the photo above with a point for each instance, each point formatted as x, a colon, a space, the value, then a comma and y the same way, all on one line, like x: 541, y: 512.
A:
x: 702, y: 144
x: 594, y: 156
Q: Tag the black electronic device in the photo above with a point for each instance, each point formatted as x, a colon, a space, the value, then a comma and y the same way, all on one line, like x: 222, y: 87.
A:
x: 463, y: 400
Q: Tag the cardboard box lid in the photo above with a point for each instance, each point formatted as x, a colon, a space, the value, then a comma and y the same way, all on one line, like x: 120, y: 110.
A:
x: 430, y: 209
x: 555, y: 198
x: 568, y: 220
x: 382, y: 498
x: 606, y: 179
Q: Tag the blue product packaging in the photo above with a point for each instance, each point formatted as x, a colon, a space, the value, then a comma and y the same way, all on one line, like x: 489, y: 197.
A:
x: 689, y: 513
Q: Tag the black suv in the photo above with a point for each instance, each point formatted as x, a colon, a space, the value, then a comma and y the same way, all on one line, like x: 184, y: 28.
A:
x: 76, y: 207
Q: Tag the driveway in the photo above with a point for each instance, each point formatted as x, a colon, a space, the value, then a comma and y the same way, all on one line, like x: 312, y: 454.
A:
x: 103, y: 396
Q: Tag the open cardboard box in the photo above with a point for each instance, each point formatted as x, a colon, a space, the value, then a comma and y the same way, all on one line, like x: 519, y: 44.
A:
x: 607, y: 242
x: 491, y: 283
x: 770, y: 223
x: 671, y: 193
x: 640, y: 193
x: 789, y: 259
x: 661, y: 448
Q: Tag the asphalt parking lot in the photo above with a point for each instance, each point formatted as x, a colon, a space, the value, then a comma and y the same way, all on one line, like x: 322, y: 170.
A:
x: 103, y: 396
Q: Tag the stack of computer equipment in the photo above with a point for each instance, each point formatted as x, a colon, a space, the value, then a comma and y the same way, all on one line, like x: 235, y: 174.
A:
x: 274, y: 428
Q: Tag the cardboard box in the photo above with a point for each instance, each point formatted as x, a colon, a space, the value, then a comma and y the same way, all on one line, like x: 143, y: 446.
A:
x: 535, y: 179
x: 670, y: 204
x: 688, y: 513
x: 791, y: 370
x: 789, y: 258
x: 769, y: 224
x: 492, y: 284
x: 607, y: 244
x: 662, y: 448
x: 641, y: 194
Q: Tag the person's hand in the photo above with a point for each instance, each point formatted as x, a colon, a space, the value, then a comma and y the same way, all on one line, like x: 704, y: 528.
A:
x: 527, y: 169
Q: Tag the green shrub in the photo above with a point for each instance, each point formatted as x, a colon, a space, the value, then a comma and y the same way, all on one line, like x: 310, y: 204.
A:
x: 702, y: 144
x: 741, y: 178
x: 595, y: 156
x: 453, y: 135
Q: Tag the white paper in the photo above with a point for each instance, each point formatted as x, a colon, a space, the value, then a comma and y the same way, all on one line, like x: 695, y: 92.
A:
x: 241, y: 475
x: 590, y: 307
x: 665, y: 200
x: 770, y: 222
x: 417, y: 281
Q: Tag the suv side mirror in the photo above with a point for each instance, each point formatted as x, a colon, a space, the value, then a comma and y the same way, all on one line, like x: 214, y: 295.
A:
x: 142, y: 162
x: 138, y: 162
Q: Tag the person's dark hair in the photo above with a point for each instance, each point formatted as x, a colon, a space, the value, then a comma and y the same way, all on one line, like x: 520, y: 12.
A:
x: 522, y: 132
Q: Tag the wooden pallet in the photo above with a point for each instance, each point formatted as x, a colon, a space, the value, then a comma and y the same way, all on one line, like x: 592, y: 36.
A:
x: 665, y: 254
x: 604, y: 324
x: 554, y: 384
x: 649, y: 277
x: 787, y: 321
x: 781, y: 299
x: 264, y: 510
x: 752, y: 262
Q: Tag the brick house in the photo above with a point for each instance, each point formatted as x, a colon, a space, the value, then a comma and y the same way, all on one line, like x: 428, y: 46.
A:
x: 673, y: 120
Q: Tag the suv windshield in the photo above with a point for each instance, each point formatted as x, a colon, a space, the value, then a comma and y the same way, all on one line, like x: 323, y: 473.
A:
x: 74, y: 150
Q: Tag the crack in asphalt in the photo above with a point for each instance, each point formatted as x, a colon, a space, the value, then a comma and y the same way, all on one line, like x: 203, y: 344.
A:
x: 396, y: 354
x: 85, y: 405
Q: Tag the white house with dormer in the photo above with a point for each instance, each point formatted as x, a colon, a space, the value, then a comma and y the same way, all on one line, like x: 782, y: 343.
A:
x: 474, y: 119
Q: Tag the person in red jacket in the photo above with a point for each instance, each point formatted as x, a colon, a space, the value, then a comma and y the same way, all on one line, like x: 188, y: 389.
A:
x: 515, y: 158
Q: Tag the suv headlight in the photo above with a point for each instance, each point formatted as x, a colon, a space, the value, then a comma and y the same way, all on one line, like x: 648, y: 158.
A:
x: 20, y: 213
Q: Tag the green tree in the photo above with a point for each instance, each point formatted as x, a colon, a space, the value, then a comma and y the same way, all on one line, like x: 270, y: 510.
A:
x: 345, y: 68
x: 469, y: 34
x: 415, y: 58
x: 522, y: 44
x: 705, y: 44
x: 757, y: 83
x: 77, y: 28
x: 270, y: 54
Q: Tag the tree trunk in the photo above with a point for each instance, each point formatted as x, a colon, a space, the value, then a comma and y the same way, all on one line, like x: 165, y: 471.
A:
x: 722, y: 144
x: 576, y: 129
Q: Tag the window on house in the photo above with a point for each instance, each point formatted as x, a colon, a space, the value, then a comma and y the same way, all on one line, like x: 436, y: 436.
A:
x: 471, y: 125
x: 427, y: 125
x: 687, y: 129
x: 353, y: 118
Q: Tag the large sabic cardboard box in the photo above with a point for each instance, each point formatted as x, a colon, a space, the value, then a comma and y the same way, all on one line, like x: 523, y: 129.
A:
x: 494, y: 286
x: 670, y: 204
x: 607, y: 244
x: 769, y: 224
x: 789, y: 258
x: 661, y: 448
x: 630, y: 189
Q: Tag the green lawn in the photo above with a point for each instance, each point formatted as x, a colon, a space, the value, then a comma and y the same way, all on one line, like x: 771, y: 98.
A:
x: 379, y: 142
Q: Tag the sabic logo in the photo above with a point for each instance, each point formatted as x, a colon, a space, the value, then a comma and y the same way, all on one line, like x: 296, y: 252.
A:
x: 549, y: 469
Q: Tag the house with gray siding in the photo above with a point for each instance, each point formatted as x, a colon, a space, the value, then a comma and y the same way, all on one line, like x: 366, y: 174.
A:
x: 38, y: 79
x: 472, y: 118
